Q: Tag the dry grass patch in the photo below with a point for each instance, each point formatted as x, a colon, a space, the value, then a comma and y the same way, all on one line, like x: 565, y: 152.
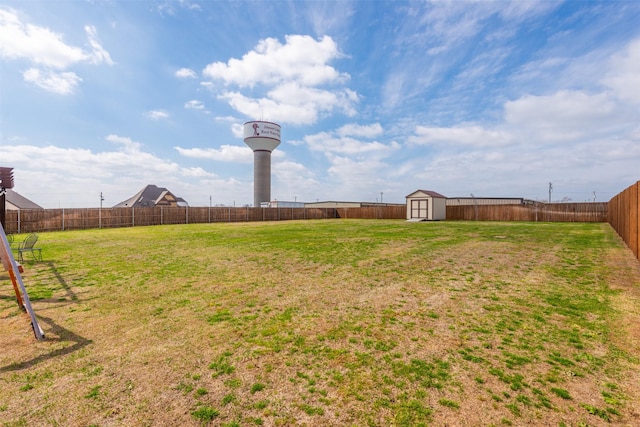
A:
x: 325, y: 323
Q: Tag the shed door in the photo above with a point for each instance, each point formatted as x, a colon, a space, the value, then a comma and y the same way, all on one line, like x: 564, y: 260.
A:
x: 419, y: 208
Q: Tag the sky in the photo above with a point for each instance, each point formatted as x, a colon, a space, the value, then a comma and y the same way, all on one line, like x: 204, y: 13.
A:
x: 376, y: 99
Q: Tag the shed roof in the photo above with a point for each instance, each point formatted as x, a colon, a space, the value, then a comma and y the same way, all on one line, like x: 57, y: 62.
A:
x: 428, y: 193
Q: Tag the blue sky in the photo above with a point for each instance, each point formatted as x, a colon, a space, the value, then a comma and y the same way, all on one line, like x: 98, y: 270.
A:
x: 375, y: 99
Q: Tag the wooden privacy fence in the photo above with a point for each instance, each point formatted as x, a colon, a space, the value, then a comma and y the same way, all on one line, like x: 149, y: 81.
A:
x: 545, y: 212
x: 39, y: 220
x: 624, y: 216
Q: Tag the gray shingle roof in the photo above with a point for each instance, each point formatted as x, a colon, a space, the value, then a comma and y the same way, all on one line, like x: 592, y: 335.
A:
x: 20, y: 201
x: 150, y: 196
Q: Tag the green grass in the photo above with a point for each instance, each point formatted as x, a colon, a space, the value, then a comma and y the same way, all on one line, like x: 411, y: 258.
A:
x: 346, y: 322
x: 205, y: 414
x: 560, y: 392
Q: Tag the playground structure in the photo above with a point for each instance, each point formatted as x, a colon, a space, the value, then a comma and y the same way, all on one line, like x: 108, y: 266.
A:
x: 8, y: 260
x: 13, y: 269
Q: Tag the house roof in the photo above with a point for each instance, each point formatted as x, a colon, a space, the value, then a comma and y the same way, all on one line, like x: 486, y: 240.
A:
x: 150, y: 196
x: 20, y: 201
x: 429, y: 193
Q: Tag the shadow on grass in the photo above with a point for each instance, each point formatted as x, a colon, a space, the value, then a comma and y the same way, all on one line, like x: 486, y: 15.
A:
x: 60, y: 334
x: 54, y: 332
x: 63, y: 283
x: 69, y: 297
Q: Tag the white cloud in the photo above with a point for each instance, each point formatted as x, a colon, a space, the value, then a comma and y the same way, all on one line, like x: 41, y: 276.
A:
x: 561, y: 116
x: 61, y: 83
x: 194, y: 105
x: 574, y: 138
x: 292, y: 77
x: 228, y: 119
x: 301, y: 59
x: 624, y: 74
x: 356, y: 163
x: 119, y: 173
x: 186, y: 73
x: 291, y: 179
x: 129, y: 145
x: 99, y: 54
x: 330, y: 17
x: 37, y: 44
x: 519, y: 10
x: 393, y: 89
x: 292, y: 113
x: 226, y: 153
x: 476, y: 136
x: 237, y: 129
x: 326, y: 142
x: 197, y: 173
x: 362, y: 175
x: 290, y: 103
x: 48, y: 52
x: 157, y: 115
x: 364, y: 131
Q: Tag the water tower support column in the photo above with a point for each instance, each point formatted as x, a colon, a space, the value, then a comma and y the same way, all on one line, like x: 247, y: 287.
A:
x: 262, y: 138
x: 261, y: 177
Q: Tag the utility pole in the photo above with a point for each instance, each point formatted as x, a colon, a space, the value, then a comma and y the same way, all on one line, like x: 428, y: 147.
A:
x: 475, y: 205
x: 100, y: 211
x: 381, y: 193
x: 550, y: 189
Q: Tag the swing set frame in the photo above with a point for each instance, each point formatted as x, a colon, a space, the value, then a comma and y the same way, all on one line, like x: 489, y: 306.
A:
x: 13, y: 268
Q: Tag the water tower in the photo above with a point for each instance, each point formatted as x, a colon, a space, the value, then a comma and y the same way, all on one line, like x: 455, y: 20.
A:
x: 262, y: 138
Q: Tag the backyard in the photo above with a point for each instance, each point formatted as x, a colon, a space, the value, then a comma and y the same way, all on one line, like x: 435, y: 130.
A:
x: 326, y: 322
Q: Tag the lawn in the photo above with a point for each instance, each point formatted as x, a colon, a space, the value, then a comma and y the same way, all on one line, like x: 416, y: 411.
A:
x: 329, y: 322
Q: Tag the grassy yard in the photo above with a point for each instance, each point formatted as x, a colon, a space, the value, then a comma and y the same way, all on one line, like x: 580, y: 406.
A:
x: 320, y: 323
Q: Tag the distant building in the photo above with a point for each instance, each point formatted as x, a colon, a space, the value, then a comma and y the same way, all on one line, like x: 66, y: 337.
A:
x: 469, y: 201
x: 282, y: 204
x: 15, y: 202
x: 337, y: 204
x: 151, y: 196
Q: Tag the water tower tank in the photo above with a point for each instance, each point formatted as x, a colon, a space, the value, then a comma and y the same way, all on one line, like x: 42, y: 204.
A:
x: 262, y: 138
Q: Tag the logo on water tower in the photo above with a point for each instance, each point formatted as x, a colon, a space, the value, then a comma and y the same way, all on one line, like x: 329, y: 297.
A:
x: 255, y: 129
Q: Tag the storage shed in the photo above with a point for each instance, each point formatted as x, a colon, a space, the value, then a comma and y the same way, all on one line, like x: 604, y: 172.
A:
x: 425, y: 205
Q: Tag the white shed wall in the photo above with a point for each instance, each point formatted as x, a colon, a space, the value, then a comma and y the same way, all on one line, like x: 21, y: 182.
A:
x: 436, y: 208
x: 439, y: 207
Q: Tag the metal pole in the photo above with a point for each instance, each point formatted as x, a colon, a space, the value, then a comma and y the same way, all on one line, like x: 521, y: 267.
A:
x: 3, y: 210
x: 475, y: 206
x: 14, y: 272
x: 100, y: 211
